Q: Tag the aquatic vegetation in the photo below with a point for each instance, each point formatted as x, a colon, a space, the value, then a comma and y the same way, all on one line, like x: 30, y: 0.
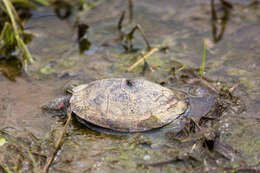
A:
x: 14, y: 36
x: 202, y: 67
x: 13, y: 15
x: 219, y: 22
x: 10, y: 67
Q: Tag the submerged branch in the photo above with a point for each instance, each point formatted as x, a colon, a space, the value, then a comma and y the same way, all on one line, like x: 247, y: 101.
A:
x: 58, y: 145
x: 147, y: 55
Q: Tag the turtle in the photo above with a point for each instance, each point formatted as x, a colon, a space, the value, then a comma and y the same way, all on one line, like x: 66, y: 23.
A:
x: 124, y: 104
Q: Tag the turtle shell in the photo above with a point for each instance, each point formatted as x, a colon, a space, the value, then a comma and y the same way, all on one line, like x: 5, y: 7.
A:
x: 127, y: 105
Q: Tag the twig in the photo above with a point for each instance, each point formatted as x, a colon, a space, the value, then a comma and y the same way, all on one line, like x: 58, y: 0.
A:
x: 130, y: 18
x: 148, y: 54
x: 131, y: 33
x: 35, y: 167
x: 58, y: 145
x: 204, y: 82
x: 233, y: 87
x: 120, y: 22
x: 194, y: 121
x: 143, y: 35
x: 6, y: 169
x: 173, y: 161
x: 209, y: 85
x: 130, y: 7
x: 180, y: 69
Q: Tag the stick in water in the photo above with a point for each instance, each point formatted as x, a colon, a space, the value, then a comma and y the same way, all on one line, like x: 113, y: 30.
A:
x: 58, y: 144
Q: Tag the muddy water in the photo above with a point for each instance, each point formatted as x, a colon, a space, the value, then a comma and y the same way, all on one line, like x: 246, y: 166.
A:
x: 232, y: 57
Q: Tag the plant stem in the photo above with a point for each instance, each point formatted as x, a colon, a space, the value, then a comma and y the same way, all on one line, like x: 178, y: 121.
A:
x: 202, y: 67
x: 43, y: 2
x: 8, y: 7
x: 11, y: 12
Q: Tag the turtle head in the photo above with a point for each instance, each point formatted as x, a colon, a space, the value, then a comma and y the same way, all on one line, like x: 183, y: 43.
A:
x: 58, y: 106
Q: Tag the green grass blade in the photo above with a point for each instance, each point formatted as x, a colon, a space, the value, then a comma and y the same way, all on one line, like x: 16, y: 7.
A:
x: 202, y: 67
x: 22, y: 46
x: 43, y: 2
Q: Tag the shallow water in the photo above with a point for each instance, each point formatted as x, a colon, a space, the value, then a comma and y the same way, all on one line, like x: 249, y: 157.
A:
x: 232, y: 57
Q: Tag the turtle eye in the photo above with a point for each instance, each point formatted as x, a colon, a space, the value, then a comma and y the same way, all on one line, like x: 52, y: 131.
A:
x: 129, y: 83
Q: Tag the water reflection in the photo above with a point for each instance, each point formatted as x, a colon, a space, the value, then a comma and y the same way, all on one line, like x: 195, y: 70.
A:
x: 218, y: 21
x: 82, y: 39
x: 10, y: 67
x: 62, y: 9
x: 127, y: 30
